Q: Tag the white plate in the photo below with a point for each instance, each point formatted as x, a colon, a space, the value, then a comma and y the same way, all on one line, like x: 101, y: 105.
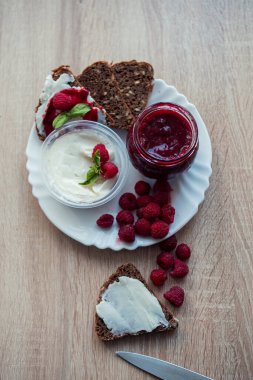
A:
x: 189, y: 187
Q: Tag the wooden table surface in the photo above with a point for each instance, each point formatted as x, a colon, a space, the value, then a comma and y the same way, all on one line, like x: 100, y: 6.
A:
x: 49, y: 283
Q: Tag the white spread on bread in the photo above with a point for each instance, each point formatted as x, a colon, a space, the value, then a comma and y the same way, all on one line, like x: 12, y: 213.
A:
x: 127, y: 306
x: 51, y: 87
x: 67, y: 162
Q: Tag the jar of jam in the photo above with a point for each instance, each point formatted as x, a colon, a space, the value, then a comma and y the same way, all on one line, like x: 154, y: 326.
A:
x: 163, y: 141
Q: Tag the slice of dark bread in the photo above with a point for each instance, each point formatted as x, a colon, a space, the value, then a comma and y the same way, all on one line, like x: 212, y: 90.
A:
x: 99, y: 80
x: 135, y: 83
x: 131, y: 271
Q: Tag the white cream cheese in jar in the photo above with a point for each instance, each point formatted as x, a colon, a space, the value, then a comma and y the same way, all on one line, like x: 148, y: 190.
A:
x: 68, y: 160
x: 127, y: 306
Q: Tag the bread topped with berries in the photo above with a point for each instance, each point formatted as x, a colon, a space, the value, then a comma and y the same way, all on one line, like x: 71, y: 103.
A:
x: 119, y: 314
x: 61, y: 93
x: 51, y: 86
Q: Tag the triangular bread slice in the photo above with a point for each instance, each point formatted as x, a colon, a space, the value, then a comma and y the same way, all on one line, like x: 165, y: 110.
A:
x: 98, y: 79
x: 129, y: 270
x: 135, y: 83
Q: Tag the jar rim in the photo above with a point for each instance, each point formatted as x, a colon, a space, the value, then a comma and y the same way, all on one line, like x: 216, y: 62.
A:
x: 183, y: 112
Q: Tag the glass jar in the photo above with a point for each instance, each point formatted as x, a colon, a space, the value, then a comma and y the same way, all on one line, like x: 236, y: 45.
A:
x: 163, y: 141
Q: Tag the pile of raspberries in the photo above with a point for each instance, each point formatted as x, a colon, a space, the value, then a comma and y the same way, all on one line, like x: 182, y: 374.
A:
x: 175, y: 265
x: 152, y: 208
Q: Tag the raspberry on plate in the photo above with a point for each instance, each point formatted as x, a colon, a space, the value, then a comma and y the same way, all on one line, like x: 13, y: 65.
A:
x: 168, y: 244
x: 162, y: 185
x: 104, y: 154
x: 124, y: 217
x: 142, y: 188
x: 109, y: 170
x: 142, y: 227
x: 162, y: 197
x: 180, y: 269
x: 158, y: 277
x: 139, y: 212
x: 127, y: 233
x: 159, y: 229
x: 167, y: 214
x: 175, y: 295
x: 144, y: 200
x: 151, y: 211
x: 127, y: 201
x: 165, y: 260
x: 105, y: 221
x: 183, y: 251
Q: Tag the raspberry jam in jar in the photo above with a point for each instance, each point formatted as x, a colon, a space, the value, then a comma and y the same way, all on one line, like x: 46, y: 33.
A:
x: 163, y: 140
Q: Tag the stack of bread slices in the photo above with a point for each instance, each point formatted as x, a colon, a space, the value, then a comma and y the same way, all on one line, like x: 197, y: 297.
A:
x: 121, y: 89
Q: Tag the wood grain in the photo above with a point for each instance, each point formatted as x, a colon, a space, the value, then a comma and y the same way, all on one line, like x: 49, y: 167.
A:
x: 49, y: 283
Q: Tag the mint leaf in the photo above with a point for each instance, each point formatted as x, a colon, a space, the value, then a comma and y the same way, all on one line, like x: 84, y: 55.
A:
x: 96, y: 158
x: 60, y: 119
x: 92, y: 176
x: 79, y: 109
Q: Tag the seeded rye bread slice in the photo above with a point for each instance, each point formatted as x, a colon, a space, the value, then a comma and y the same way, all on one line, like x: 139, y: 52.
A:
x: 135, y: 83
x: 99, y: 80
x: 131, y: 271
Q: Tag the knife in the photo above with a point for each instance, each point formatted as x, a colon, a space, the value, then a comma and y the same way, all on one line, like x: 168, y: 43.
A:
x: 160, y: 368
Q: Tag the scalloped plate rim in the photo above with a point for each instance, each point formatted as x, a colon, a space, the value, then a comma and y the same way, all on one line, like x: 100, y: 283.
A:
x: 144, y: 243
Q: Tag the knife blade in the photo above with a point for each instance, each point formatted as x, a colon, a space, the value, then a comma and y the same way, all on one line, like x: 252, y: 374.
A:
x: 160, y: 368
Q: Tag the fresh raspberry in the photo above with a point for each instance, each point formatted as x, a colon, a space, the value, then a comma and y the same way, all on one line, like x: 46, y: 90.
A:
x: 142, y: 188
x: 144, y: 200
x: 180, y: 269
x: 162, y: 185
x: 127, y: 201
x: 158, y: 277
x: 159, y: 229
x: 105, y: 221
x: 175, y: 296
x: 165, y: 260
x: 62, y: 102
x: 167, y: 214
x: 104, y: 154
x: 151, y: 211
x: 142, y: 227
x: 168, y: 244
x: 124, y: 217
x: 109, y: 170
x: 183, y: 251
x: 162, y: 197
x: 139, y: 212
x: 127, y: 233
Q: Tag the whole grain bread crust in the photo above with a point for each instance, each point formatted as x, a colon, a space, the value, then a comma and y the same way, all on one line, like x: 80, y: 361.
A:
x: 131, y: 271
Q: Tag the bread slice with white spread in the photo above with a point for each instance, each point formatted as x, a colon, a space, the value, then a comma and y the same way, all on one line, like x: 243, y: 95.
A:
x: 127, y: 306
